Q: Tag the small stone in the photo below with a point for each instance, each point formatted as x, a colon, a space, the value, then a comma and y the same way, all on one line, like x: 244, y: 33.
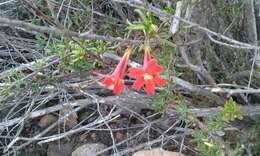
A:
x: 47, y: 120
x: 157, y: 152
x: 55, y: 149
x: 90, y: 149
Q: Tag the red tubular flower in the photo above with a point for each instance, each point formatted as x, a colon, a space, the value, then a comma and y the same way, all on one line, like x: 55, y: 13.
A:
x: 148, y: 76
x: 115, y: 81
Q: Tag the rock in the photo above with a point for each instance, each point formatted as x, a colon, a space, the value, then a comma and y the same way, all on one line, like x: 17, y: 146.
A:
x: 47, y: 120
x: 90, y: 149
x: 59, y: 149
x: 157, y: 152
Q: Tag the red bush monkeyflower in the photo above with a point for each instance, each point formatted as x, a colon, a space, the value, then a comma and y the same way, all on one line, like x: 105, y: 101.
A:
x: 115, y: 81
x: 149, y: 75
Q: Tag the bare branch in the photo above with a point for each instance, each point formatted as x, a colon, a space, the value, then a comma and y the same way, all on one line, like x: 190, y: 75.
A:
x: 164, y: 15
x: 63, y: 32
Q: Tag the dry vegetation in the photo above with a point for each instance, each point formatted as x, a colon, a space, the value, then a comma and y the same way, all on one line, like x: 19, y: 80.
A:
x: 51, y: 94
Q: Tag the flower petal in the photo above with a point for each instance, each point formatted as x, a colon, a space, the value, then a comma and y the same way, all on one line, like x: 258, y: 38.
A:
x: 135, y: 72
x: 119, y: 84
x: 150, y: 87
x: 138, y: 84
x: 160, y: 82
x: 108, y: 81
x: 154, y: 67
x: 117, y: 89
x: 122, y: 65
x: 147, y: 55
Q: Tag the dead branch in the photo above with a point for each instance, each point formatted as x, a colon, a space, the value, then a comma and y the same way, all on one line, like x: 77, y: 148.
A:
x: 26, y: 66
x: 235, y: 91
x: 199, y: 69
x: 164, y: 15
x: 48, y: 110
x: 242, y: 74
x: 251, y: 28
x: 62, y: 32
x: 175, y: 22
x: 130, y: 101
x: 209, y: 112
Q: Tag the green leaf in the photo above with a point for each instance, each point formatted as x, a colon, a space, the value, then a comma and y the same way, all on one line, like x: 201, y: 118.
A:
x: 136, y: 27
x: 231, y: 111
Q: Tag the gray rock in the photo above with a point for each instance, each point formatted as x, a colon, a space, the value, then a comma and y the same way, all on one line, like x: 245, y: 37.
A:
x: 62, y: 149
x: 90, y: 149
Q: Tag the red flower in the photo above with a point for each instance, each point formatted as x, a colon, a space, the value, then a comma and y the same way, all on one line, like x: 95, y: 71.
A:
x: 147, y: 55
x: 115, y: 81
x: 147, y: 76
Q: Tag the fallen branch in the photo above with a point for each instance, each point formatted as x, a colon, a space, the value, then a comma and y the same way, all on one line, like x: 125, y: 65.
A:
x: 131, y: 101
x: 235, y: 91
x: 45, y: 111
x: 209, y: 112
